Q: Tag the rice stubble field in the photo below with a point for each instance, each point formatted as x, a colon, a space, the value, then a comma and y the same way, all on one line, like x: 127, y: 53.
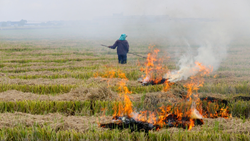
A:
x: 60, y: 90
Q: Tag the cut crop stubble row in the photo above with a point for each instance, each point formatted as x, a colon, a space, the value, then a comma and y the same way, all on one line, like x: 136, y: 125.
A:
x: 86, y: 108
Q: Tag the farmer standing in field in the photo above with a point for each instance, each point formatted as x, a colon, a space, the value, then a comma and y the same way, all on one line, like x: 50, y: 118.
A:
x: 122, y: 49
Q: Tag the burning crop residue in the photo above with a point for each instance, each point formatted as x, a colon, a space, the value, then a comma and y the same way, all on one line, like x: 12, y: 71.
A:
x: 165, y: 116
x: 154, y: 70
x: 188, y: 113
x: 111, y: 73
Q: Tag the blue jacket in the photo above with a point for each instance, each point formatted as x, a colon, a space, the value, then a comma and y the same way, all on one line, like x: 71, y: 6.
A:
x: 122, y: 47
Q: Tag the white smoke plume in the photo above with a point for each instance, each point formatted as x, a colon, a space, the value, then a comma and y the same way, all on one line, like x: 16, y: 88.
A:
x: 208, y: 55
x: 212, y: 42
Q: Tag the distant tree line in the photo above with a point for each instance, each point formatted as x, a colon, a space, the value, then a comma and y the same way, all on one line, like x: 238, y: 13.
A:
x: 9, y: 23
x: 25, y: 23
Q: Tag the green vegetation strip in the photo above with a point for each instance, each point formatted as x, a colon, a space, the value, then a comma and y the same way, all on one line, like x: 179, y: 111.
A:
x: 47, y: 54
x: 141, y: 89
x: 56, y: 60
x: 2, y: 65
x: 53, y: 89
x: 227, y: 88
x: 17, y: 49
x: 86, y: 108
x: 80, y: 75
x: 47, y: 133
x: 51, y: 69
x: 241, y: 88
x: 38, y: 89
x: 241, y: 109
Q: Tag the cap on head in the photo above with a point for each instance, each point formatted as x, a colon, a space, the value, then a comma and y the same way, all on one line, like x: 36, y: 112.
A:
x: 123, y: 37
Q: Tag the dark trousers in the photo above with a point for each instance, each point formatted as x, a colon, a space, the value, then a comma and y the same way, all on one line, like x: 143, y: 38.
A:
x: 122, y: 59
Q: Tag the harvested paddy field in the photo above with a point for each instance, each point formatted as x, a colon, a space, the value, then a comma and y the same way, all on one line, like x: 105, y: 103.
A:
x: 64, y: 90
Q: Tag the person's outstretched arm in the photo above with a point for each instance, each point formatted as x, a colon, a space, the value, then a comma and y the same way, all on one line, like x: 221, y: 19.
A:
x: 114, y: 46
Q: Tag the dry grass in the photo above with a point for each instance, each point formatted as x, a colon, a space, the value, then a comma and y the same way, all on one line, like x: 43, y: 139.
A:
x: 56, y: 121
x: 78, y: 94
x: 42, y: 81
x: 73, y: 62
x: 84, y: 93
x: 85, y: 123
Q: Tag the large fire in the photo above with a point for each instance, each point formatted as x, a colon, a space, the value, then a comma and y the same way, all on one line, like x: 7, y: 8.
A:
x: 188, y: 113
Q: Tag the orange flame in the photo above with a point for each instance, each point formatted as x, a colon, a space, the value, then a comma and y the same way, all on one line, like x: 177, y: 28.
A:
x: 159, y: 117
x: 154, y: 70
x: 124, y: 109
x: 191, y: 125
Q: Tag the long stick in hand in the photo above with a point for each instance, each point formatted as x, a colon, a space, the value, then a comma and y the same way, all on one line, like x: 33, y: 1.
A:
x: 128, y: 52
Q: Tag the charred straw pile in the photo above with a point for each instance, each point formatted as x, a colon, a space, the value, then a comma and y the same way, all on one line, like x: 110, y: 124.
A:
x: 178, y: 116
x: 124, y: 122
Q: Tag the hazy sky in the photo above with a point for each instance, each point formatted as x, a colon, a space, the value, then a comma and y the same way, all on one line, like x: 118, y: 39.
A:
x: 44, y: 10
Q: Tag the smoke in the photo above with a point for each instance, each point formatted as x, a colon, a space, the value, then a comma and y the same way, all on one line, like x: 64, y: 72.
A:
x: 161, y: 22
x: 208, y: 55
x: 206, y: 41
